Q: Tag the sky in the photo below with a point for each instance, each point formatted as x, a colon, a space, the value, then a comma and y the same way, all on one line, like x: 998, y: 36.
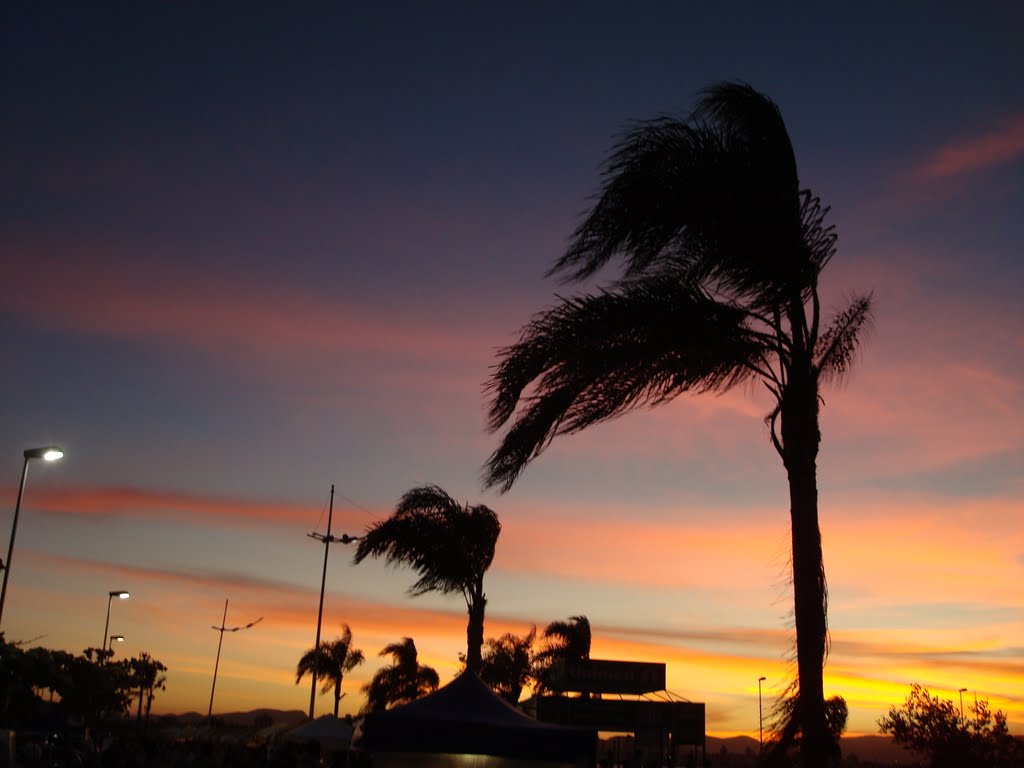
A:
x: 251, y: 251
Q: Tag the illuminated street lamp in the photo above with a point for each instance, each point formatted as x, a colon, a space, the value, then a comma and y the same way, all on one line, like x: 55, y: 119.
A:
x: 760, y: 717
x: 961, y: 692
x: 46, y: 453
x: 106, y: 625
x: 115, y: 639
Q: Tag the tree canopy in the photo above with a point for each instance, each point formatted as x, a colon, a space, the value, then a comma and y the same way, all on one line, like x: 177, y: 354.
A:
x: 937, y: 729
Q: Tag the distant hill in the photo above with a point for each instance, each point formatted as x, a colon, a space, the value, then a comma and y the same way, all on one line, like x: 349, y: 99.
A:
x: 877, y: 749
x: 245, y: 719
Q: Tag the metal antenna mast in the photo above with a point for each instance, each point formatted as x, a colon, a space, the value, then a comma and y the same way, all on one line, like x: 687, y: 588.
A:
x: 326, y: 538
x: 222, y: 629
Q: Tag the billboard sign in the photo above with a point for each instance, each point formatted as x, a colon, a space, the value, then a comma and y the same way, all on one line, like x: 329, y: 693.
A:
x: 602, y: 676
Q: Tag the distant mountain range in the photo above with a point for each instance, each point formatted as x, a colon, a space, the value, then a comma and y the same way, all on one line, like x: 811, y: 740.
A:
x: 878, y: 749
x: 243, y: 719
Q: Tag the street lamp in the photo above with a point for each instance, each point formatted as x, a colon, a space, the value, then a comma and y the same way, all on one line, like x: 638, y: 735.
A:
x: 46, y: 453
x: 326, y: 538
x: 961, y: 692
x: 760, y: 717
x: 106, y: 625
x: 115, y: 639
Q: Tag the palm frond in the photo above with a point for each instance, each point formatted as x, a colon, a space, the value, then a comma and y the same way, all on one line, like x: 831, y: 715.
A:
x: 592, y: 358
x: 716, y: 195
x: 837, y: 347
x: 448, y: 544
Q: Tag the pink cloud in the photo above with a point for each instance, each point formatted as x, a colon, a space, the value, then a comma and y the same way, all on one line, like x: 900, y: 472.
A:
x: 126, y: 501
x: 999, y: 146
x: 112, y: 296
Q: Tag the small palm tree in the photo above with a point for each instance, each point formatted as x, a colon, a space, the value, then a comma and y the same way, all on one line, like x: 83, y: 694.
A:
x: 405, y: 680
x: 722, y: 253
x: 450, y: 545
x: 336, y: 657
x: 507, y: 664
x: 566, y: 641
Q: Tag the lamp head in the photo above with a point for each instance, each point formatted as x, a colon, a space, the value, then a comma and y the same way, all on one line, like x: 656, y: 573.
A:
x: 119, y: 593
x: 117, y: 638
x: 761, y: 678
x: 46, y: 453
x: 961, y: 690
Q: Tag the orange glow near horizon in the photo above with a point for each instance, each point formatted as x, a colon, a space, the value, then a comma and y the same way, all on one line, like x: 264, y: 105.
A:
x: 277, y: 297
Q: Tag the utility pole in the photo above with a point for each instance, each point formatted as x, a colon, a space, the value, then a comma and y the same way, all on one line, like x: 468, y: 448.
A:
x: 326, y: 538
x: 760, y: 716
x: 222, y: 629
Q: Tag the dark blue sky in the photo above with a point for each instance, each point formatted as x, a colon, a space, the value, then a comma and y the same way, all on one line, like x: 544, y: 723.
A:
x: 252, y: 249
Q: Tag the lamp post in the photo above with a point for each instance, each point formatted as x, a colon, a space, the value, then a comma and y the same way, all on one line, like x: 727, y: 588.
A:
x: 326, y: 538
x: 46, y: 453
x: 961, y: 692
x: 123, y: 595
x: 115, y: 639
x: 222, y: 629
x: 760, y: 717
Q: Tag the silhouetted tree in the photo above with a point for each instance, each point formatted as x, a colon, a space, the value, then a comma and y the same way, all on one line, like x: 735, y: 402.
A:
x: 450, y: 546
x: 405, y: 680
x: 565, y: 641
x: 335, y: 659
x: 507, y: 664
x: 147, y: 677
x: 97, y: 687
x: 932, y: 726
x: 722, y: 253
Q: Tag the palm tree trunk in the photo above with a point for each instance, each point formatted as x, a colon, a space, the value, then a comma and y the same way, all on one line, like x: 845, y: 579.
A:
x: 337, y: 695
x: 800, y: 440
x: 475, y: 630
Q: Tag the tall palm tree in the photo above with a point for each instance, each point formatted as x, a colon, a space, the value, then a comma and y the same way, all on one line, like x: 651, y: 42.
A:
x: 405, y: 680
x: 565, y: 641
x: 335, y: 659
x: 450, y: 545
x: 722, y: 252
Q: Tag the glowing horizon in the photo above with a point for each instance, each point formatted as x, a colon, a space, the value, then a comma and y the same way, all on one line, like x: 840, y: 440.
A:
x: 249, y: 257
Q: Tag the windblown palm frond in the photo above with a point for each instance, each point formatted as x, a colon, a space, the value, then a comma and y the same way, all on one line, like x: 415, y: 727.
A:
x: 403, y: 681
x: 593, y: 358
x: 450, y: 545
x: 838, y: 344
x: 717, y: 196
x: 567, y: 639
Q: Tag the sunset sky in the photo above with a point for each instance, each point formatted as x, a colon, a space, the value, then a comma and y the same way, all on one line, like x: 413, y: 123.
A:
x: 252, y: 250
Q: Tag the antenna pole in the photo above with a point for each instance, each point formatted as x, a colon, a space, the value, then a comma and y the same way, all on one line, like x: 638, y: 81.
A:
x: 216, y: 664
x: 326, y: 538
x: 222, y: 629
x: 320, y: 611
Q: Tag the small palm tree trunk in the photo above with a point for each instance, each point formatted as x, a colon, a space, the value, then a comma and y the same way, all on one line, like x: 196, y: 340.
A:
x: 337, y: 695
